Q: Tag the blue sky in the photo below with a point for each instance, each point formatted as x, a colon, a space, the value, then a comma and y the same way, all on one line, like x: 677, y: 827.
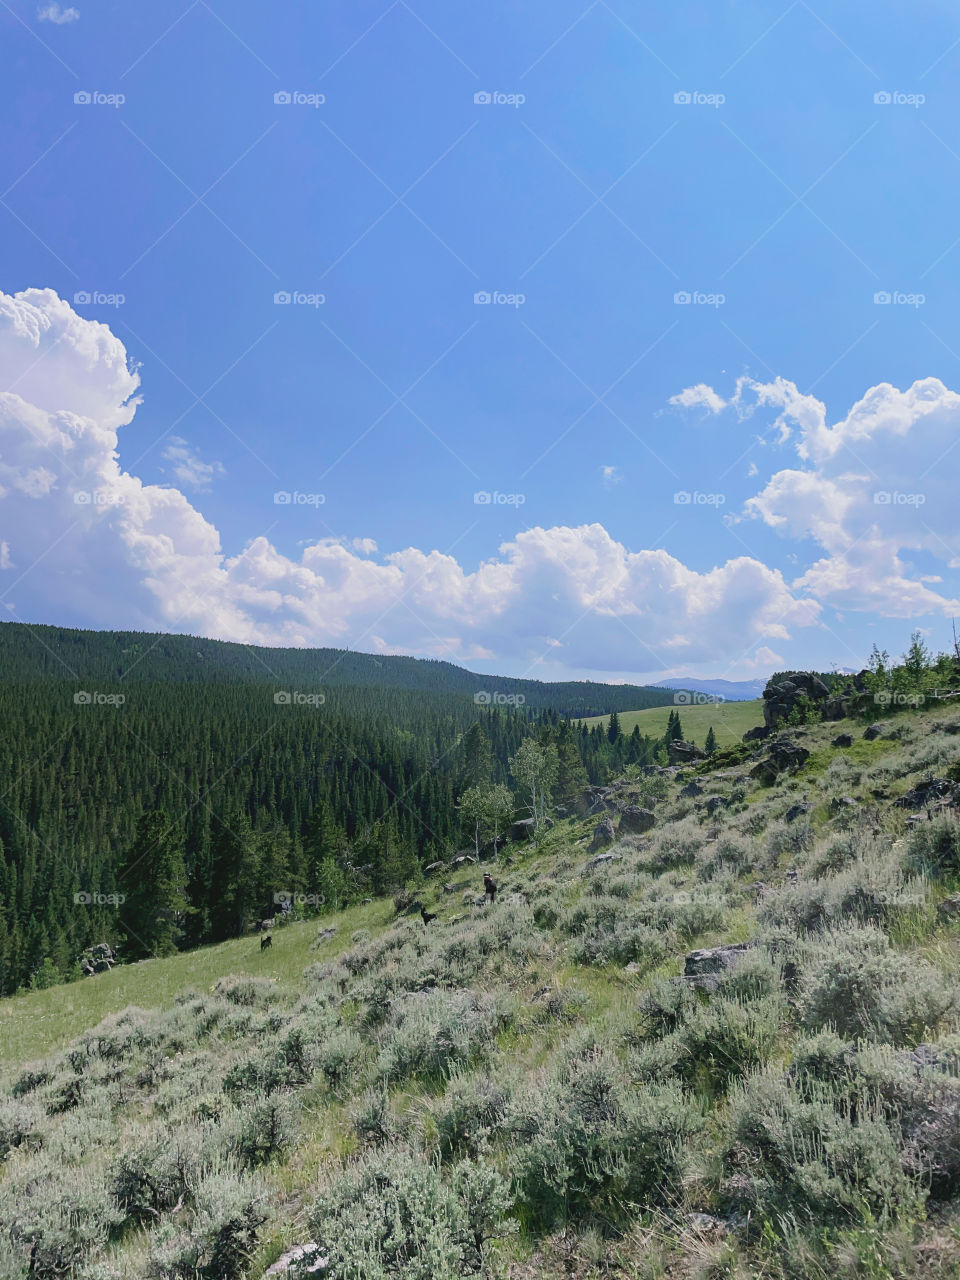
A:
x: 783, y: 197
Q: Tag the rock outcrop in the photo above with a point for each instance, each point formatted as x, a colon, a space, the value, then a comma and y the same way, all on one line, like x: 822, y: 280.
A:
x: 785, y: 692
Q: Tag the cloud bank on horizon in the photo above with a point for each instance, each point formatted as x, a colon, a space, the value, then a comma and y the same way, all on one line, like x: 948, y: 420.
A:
x: 872, y: 493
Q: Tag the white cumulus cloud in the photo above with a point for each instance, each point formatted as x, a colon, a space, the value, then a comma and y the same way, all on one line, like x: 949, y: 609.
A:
x: 875, y: 490
x: 54, y: 13
x: 93, y: 541
x: 188, y: 467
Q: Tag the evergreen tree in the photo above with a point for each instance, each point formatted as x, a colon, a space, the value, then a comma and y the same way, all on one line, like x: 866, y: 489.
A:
x: 710, y: 745
x: 477, y: 757
x: 614, y: 732
x: 153, y: 880
x: 235, y: 883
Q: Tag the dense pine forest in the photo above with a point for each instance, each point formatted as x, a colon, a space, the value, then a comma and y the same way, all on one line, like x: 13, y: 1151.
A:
x: 213, y: 796
x: 42, y: 652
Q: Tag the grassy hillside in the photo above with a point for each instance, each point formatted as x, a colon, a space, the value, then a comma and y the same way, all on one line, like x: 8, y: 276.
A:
x: 730, y: 720
x: 533, y: 1089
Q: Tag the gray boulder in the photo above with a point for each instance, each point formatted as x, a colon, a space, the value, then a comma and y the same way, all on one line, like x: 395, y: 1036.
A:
x: 634, y: 821
x: 681, y: 752
x: 785, y: 756
x: 843, y: 740
x: 797, y: 811
x: 601, y: 860
x: 691, y: 790
x: 705, y: 967
x: 604, y: 833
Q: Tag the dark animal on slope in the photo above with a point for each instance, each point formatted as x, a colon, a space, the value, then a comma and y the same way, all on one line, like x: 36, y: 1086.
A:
x: 489, y: 887
x: 265, y: 942
x: 426, y: 916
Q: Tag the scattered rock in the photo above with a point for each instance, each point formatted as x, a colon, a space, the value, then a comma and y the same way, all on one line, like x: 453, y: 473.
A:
x: 842, y: 740
x: 303, y: 1260
x: 704, y: 968
x: 435, y: 866
x: 840, y: 803
x: 691, y: 790
x: 949, y: 908
x: 926, y: 793
x: 601, y: 860
x: 874, y: 731
x: 716, y: 803
x: 604, y: 833
x: 797, y: 811
x: 757, y: 734
x: 463, y: 859
x: 449, y: 888
x: 785, y: 757
x: 522, y: 829
x: 681, y: 752
x: 634, y: 821
x: 705, y: 1224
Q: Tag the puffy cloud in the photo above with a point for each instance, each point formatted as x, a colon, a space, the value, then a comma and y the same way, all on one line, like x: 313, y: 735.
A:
x: 117, y: 552
x: 700, y: 396
x: 872, y: 490
x: 188, y: 467
x: 611, y: 476
x: 54, y: 13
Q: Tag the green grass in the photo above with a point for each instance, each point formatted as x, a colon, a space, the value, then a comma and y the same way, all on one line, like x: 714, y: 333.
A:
x: 730, y: 720
x: 40, y: 1022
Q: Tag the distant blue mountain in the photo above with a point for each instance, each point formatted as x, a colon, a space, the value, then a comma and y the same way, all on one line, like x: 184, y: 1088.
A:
x: 732, y: 690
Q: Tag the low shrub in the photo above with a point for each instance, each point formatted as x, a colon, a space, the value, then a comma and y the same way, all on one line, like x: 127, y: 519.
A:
x: 589, y: 1143
x: 935, y: 846
x: 801, y: 1158
x: 856, y: 983
x: 430, y: 1033
x: 472, y: 1109
x: 154, y: 1174
x: 218, y: 1242
x: 395, y: 1215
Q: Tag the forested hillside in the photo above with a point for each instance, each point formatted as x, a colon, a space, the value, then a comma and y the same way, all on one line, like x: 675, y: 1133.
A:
x: 41, y: 652
x: 200, y: 801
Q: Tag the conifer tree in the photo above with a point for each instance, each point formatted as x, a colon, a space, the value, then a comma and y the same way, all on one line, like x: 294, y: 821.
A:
x: 153, y: 880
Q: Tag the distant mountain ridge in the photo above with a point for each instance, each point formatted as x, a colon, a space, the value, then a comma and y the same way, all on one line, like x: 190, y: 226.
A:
x: 30, y: 652
x: 732, y: 690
